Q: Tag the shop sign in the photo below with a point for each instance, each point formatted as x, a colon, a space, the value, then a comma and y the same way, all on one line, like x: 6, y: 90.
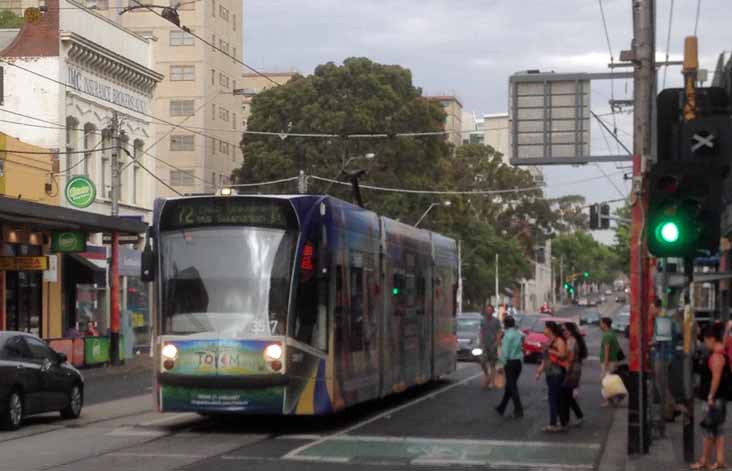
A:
x: 68, y: 242
x: 105, y: 90
x: 80, y: 192
x: 23, y: 263
x: 51, y: 275
x: 130, y: 262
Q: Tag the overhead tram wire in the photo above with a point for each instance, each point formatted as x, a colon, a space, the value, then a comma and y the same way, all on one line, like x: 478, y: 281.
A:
x: 160, y: 180
x: 698, y: 14
x: 60, y: 126
x: 66, y: 85
x: 668, y: 42
x: 612, y: 61
x: 214, y: 46
x: 462, y: 192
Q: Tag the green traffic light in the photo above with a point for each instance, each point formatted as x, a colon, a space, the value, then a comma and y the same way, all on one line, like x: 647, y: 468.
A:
x: 669, y: 232
x: 395, y: 291
x: 586, y: 274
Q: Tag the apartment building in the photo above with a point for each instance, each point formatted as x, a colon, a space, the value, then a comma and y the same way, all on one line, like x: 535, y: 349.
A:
x: 197, y: 89
x: 454, y: 115
x: 255, y: 83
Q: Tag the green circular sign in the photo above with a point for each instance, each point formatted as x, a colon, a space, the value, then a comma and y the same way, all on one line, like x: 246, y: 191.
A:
x: 80, y: 192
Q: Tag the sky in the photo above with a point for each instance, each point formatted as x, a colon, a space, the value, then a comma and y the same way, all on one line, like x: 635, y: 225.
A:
x: 469, y: 48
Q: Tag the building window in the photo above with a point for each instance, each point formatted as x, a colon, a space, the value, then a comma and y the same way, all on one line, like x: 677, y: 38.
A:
x: 234, y: 54
x: 182, y: 73
x: 138, y: 182
x: 233, y: 21
x: 223, y: 80
x: 181, y: 107
x: 224, y: 114
x: 213, y: 145
x: 147, y: 34
x: 73, y: 160
x: 90, y: 137
x: 213, y: 111
x: 181, y: 178
x: 213, y: 77
x: 224, y: 46
x: 123, y: 188
x: 106, y: 170
x: 181, y: 142
x: 213, y: 42
x: 213, y: 8
x: 224, y: 12
x: 180, y: 38
x: 233, y: 121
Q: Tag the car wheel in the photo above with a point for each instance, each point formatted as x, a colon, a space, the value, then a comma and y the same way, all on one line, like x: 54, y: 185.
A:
x: 76, y: 401
x: 13, y: 414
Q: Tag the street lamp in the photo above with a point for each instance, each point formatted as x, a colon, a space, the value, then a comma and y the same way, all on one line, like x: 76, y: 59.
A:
x: 444, y: 203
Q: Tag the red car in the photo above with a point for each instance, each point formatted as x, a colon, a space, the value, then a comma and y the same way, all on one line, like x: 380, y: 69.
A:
x: 535, y: 339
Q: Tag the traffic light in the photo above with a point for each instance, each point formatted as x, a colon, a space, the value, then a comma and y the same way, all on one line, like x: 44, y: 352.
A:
x: 594, y: 217
x: 586, y: 274
x: 605, y: 216
x: 684, y: 208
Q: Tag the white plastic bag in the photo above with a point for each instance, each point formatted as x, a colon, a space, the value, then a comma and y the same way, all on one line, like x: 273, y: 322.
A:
x: 612, y: 386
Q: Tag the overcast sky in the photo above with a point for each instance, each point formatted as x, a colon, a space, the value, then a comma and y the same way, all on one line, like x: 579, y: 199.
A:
x: 470, y: 47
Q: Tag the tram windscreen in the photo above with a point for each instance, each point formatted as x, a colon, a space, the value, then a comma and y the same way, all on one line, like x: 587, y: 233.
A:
x: 229, y: 280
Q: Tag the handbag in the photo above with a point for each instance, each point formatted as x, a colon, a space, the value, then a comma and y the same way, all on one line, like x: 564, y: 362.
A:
x: 500, y: 379
x: 574, y: 373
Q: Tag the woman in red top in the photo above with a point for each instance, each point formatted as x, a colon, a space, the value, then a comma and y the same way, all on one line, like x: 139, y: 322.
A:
x: 714, y: 379
x: 554, y: 366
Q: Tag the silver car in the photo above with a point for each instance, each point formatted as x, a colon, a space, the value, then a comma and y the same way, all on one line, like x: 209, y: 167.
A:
x: 468, y: 336
x: 621, y: 323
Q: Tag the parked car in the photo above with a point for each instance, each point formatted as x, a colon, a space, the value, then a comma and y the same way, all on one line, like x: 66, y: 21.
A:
x: 621, y: 323
x: 590, y: 317
x: 535, y: 339
x: 35, y: 379
x: 468, y: 335
x: 621, y: 299
x: 608, y: 292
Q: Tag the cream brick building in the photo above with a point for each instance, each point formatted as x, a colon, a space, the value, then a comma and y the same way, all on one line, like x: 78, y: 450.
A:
x: 254, y: 83
x: 198, y: 88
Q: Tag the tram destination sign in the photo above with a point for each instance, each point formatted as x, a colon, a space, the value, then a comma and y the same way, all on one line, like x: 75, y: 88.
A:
x: 228, y: 211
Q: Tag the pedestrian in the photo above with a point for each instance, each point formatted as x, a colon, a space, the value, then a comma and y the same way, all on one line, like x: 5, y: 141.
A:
x: 609, y: 353
x: 490, y: 332
x: 554, y: 366
x: 713, y: 386
x: 577, y: 351
x: 511, y: 359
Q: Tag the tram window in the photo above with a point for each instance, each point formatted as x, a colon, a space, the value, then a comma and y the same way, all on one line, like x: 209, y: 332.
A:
x: 310, y: 314
x: 357, y: 311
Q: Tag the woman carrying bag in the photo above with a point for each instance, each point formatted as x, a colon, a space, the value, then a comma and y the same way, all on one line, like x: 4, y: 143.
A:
x: 577, y: 351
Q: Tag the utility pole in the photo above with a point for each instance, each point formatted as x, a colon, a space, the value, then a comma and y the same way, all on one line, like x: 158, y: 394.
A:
x: 643, y: 57
x: 562, y: 293
x: 497, y: 298
x: 114, y: 300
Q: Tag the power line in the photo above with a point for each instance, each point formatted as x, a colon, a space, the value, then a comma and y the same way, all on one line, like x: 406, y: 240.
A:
x: 65, y: 85
x: 160, y: 180
x: 698, y: 13
x: 214, y: 46
x: 604, y: 25
x: 272, y: 182
x: 668, y: 41
x: 458, y: 192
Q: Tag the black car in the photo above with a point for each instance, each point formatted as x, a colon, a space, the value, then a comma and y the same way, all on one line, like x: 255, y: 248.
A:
x: 35, y: 379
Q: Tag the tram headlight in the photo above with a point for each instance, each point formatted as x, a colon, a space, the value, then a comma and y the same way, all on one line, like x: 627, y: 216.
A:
x: 273, y: 352
x: 169, y: 351
x: 477, y: 352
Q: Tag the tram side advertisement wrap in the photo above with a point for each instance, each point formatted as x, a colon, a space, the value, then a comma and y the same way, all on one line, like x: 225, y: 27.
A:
x: 222, y: 358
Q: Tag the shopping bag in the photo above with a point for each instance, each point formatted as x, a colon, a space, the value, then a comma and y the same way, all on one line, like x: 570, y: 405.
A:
x: 500, y: 379
x: 612, y: 386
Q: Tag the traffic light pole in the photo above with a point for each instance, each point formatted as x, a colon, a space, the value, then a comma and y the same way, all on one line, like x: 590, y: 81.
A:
x: 644, y: 97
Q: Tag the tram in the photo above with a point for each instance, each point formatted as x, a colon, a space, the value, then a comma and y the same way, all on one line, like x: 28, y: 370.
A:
x: 294, y: 305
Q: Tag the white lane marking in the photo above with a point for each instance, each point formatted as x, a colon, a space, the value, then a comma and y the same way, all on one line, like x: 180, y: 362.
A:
x: 183, y: 456
x: 293, y: 454
x: 541, y: 466
x: 131, y: 432
x: 170, y: 418
x: 460, y: 441
x: 324, y: 459
x: 248, y: 458
x: 300, y: 437
x: 439, y: 462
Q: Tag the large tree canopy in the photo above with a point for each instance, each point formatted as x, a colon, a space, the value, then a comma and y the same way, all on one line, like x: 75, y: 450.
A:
x: 363, y: 97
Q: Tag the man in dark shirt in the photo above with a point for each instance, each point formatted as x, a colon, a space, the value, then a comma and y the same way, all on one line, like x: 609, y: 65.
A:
x: 490, y: 333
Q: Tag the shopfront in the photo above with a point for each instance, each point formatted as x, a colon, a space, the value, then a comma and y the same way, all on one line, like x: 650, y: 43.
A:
x: 23, y: 265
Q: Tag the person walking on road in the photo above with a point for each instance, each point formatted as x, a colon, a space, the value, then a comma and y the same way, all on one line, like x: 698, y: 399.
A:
x: 714, y: 383
x: 577, y: 351
x: 554, y: 366
x: 511, y: 358
x: 490, y: 332
x: 610, y: 353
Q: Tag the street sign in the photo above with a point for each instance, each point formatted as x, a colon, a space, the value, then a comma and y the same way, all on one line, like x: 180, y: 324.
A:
x: 68, y: 242
x: 80, y: 192
x: 123, y: 239
x: 23, y: 263
x: 550, y: 118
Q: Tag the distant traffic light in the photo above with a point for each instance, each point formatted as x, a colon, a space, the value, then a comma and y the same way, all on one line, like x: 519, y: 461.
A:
x: 586, y: 274
x: 395, y: 291
x: 599, y: 216
x: 594, y: 217
x: 605, y: 216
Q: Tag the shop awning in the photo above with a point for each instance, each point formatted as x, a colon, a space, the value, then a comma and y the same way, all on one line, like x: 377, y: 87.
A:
x: 94, y: 258
x: 42, y: 216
